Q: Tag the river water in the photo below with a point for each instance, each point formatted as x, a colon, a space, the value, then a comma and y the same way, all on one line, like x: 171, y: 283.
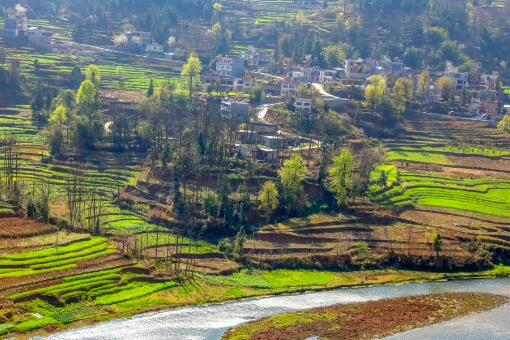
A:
x: 211, y: 321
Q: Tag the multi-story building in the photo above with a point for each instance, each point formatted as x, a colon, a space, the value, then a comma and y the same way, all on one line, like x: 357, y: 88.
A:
x: 461, y: 80
x: 303, y: 106
x: 230, y: 66
x: 256, y: 58
x: 321, y: 76
x: 234, y: 109
x: 16, y: 27
x: 289, y: 88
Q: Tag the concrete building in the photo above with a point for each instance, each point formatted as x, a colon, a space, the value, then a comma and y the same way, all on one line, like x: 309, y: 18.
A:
x: 490, y: 80
x: 256, y: 58
x: 234, y: 109
x: 289, y: 88
x: 16, y: 27
x: 39, y: 36
x: 322, y: 76
x: 461, y: 80
x: 263, y: 128
x: 155, y: 48
x: 274, y: 141
x: 230, y: 66
x: 303, y: 106
x: 139, y: 38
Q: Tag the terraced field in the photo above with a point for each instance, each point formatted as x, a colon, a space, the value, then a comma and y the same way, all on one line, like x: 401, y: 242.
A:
x: 117, y: 71
x: 442, y: 176
x: 374, y: 236
x: 103, y: 171
x: 447, y: 163
x: 260, y: 14
x: 107, y: 173
x: 56, y: 278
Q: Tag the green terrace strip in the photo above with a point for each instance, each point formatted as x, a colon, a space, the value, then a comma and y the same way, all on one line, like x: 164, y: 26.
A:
x: 416, y: 156
x: 106, y: 175
x: 117, y: 72
x: 54, y: 258
x: 451, y: 149
x: 487, y: 196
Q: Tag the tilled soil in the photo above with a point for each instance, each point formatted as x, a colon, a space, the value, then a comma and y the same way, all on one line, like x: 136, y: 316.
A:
x: 368, y: 320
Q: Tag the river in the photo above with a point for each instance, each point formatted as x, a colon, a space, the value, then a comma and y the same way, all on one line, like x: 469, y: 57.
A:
x: 211, y: 321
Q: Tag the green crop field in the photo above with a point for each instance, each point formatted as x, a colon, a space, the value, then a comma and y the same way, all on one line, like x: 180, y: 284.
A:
x: 485, y: 196
x: 467, y: 176
x: 117, y: 71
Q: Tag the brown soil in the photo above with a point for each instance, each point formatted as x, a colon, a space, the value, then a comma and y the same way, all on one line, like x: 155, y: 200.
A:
x: 368, y: 320
x: 15, y: 227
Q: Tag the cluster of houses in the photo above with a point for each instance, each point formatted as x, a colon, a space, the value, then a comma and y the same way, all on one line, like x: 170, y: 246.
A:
x: 16, y: 28
x: 263, y: 141
x: 241, y: 73
x: 142, y: 42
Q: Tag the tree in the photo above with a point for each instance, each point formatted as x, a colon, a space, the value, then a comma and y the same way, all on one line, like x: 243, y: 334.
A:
x: 413, y: 58
x: 150, y: 89
x: 59, y: 115
x: 268, y: 199
x: 437, y: 244
x: 75, y: 77
x: 334, y: 55
x: 292, y: 174
x: 93, y: 74
x: 403, y: 93
x: 446, y: 87
x: 86, y: 97
x: 341, y: 176
x: 239, y: 241
x: 256, y: 95
x: 191, y: 72
x: 374, y: 92
x: 423, y: 84
x: 504, y: 124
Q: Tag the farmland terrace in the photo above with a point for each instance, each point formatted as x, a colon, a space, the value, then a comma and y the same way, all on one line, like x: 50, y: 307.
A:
x: 107, y: 173
x: 440, y: 176
x: 65, y: 276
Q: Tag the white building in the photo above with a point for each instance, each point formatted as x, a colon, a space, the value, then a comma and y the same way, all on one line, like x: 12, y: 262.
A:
x: 230, y: 66
x: 303, y: 106
x: 39, y: 36
x: 256, y: 58
x: 289, y: 88
x: 154, y: 48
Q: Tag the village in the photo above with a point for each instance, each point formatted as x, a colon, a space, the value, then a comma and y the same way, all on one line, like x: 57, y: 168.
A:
x: 159, y: 154
x: 247, y: 85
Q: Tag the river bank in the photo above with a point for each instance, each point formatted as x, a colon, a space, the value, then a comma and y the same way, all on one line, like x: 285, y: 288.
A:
x: 367, y: 320
x: 246, y: 284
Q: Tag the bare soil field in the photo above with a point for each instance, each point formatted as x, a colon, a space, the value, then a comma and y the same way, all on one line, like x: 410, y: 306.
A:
x: 368, y: 320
